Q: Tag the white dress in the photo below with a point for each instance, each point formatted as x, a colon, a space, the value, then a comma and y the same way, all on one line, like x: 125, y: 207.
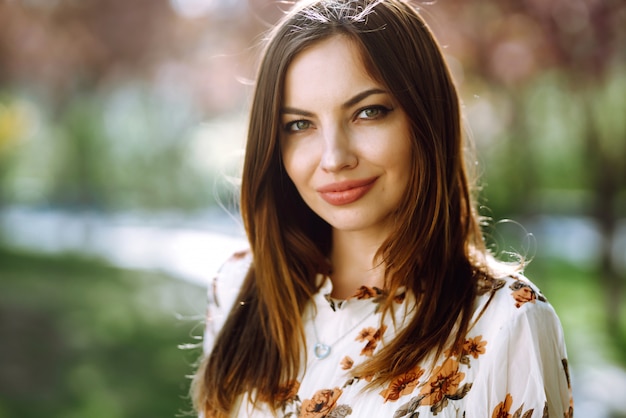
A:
x: 513, y: 363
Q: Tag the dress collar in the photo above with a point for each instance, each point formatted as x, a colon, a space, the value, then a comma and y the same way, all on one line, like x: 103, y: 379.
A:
x: 363, y: 294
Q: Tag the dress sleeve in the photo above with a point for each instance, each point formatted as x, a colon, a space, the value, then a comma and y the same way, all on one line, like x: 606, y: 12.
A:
x: 527, y: 372
x: 222, y: 292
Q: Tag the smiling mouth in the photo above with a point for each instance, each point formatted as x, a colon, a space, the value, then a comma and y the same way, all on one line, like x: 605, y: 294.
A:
x: 346, y: 192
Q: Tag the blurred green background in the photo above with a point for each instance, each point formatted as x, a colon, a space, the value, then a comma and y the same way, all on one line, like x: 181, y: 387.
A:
x: 121, y: 127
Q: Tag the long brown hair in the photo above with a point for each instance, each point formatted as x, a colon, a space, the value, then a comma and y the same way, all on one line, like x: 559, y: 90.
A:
x: 434, y: 250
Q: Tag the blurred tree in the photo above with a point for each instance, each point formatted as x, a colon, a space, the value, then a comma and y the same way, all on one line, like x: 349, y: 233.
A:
x: 65, y: 46
x: 13, y: 126
x: 76, y: 60
x: 587, y: 41
x: 512, y: 46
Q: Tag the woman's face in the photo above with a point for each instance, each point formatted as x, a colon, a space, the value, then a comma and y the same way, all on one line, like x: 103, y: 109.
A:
x: 345, y: 141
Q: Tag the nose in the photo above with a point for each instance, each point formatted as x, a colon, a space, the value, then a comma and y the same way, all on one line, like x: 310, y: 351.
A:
x: 338, y: 153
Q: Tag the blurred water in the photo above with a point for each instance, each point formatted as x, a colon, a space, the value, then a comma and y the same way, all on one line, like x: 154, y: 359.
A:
x: 189, y: 249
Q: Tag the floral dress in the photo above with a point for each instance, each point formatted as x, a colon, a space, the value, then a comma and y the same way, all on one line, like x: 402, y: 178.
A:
x: 513, y: 363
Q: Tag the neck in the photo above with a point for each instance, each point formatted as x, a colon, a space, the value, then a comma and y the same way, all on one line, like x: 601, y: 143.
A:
x: 354, y: 263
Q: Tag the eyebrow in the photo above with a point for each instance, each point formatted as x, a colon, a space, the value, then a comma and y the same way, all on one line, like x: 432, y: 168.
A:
x: 349, y: 103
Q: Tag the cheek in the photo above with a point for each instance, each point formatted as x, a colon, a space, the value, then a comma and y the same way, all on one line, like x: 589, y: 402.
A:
x: 400, y: 157
x: 295, y: 162
x: 406, y: 173
x: 287, y: 157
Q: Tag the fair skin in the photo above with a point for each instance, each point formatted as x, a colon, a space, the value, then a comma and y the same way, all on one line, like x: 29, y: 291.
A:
x: 346, y: 145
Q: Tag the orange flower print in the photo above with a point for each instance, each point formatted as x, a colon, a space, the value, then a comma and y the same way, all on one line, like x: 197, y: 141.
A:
x: 474, y: 346
x: 365, y: 292
x: 346, y: 363
x: 372, y: 336
x: 239, y: 255
x: 321, y: 405
x: 523, y: 293
x: 402, y: 385
x: 502, y: 409
x: 443, y: 382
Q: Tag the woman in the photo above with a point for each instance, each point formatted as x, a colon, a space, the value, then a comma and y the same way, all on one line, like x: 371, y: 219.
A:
x: 367, y: 290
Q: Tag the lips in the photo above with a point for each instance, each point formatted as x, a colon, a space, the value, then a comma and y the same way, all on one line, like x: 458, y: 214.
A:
x: 346, y: 192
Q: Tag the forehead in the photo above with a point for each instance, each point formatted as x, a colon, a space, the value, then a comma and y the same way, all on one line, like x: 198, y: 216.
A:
x: 335, y: 64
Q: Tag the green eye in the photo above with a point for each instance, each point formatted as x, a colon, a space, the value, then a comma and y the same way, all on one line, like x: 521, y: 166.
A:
x: 298, y: 125
x: 373, y: 112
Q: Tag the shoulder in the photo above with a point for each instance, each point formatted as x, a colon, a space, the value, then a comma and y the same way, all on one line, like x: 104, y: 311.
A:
x: 222, y: 293
x: 525, y: 359
x: 515, y: 299
x: 517, y: 290
x: 520, y: 327
x: 227, y: 282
